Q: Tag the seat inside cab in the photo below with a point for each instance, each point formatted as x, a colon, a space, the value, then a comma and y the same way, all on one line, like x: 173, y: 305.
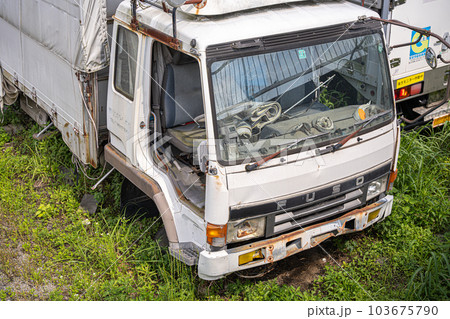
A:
x: 177, y: 105
x: 181, y: 101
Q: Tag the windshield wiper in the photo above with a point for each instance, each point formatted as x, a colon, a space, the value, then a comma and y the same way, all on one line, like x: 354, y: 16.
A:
x: 252, y: 167
x: 329, y: 149
x: 333, y: 148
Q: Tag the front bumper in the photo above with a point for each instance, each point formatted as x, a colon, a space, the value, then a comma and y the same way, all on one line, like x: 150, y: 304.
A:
x: 215, y: 265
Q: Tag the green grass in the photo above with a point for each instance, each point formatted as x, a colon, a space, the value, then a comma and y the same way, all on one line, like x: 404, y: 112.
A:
x: 51, y: 250
x: 332, y: 98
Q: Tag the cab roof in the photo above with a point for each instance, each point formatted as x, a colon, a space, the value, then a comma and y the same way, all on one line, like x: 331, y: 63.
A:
x: 277, y: 19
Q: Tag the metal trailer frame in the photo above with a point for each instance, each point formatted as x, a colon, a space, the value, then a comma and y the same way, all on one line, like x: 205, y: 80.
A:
x: 57, y: 54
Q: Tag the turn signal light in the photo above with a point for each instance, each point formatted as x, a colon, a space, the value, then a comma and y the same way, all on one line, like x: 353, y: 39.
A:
x: 392, y: 178
x: 216, y: 235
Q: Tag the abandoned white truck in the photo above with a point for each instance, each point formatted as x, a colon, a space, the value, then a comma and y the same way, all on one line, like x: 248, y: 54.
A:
x: 258, y: 128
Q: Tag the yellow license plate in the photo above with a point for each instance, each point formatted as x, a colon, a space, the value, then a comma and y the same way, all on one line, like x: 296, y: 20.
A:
x: 410, y: 80
x: 251, y: 256
x: 373, y: 215
x: 441, y: 120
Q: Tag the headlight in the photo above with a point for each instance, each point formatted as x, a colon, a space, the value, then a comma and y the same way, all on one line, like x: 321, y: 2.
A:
x: 376, y: 187
x: 245, y: 229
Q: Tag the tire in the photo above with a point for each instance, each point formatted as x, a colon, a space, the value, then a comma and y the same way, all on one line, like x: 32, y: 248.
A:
x: 134, y: 203
x: 161, y: 237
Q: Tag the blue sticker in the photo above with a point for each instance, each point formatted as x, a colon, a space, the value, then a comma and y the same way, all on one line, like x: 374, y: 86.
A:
x: 418, y: 50
x: 301, y: 54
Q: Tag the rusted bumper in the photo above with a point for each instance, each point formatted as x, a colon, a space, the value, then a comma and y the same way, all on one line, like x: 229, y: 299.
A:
x: 215, y: 265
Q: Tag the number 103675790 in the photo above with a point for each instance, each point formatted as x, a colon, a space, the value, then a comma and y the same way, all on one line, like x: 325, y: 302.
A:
x: 403, y: 310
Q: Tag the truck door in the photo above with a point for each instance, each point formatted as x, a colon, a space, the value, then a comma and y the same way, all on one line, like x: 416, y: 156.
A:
x: 123, y: 92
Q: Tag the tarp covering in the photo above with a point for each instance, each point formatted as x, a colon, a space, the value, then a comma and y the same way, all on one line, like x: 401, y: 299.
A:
x: 75, y: 30
x: 44, y: 45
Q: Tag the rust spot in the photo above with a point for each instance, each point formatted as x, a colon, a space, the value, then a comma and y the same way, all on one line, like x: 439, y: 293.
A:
x: 144, y: 182
x: 88, y: 153
x: 245, y: 230
x: 318, y: 239
x: 134, y: 24
x: 66, y: 125
x: 192, y: 206
x: 179, y: 192
x: 218, y: 182
x: 165, y: 9
x: 196, y: 3
x: 297, y: 234
x: 270, y: 259
x: 67, y: 133
x: 161, y: 37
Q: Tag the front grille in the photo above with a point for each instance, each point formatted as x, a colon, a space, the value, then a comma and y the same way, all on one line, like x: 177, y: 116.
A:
x: 299, y: 203
x: 289, y: 220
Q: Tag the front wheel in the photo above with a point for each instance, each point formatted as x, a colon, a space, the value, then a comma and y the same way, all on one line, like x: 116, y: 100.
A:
x: 135, y: 203
x: 161, y: 237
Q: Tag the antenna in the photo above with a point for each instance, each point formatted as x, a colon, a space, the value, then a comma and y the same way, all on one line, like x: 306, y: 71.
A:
x: 134, y: 23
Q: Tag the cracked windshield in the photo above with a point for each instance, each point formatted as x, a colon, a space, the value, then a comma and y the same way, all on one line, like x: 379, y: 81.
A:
x: 318, y: 94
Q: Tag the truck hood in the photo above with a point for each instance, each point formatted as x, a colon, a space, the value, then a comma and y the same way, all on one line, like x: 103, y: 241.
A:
x: 298, y: 173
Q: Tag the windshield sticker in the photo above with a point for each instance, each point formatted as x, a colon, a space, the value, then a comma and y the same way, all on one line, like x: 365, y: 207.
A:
x: 301, y: 54
x: 417, y: 51
x: 380, y: 48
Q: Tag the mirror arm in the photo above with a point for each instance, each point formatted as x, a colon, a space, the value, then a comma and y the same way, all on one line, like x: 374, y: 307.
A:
x: 442, y: 59
x: 403, y: 119
x: 419, y: 30
x: 407, y: 44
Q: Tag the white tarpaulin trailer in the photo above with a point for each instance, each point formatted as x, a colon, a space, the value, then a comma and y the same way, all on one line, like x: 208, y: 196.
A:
x: 57, y: 53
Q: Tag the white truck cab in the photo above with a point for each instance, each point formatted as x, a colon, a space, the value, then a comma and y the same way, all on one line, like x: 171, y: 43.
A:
x: 202, y: 96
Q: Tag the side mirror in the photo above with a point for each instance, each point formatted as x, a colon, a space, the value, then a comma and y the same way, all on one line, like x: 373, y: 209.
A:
x: 430, y: 57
